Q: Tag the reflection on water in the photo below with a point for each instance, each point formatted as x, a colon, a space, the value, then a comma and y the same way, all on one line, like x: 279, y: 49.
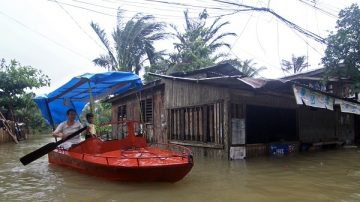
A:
x: 322, y: 176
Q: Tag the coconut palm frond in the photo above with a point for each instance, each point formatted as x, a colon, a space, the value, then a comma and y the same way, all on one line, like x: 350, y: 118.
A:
x: 103, y: 61
x: 102, y: 36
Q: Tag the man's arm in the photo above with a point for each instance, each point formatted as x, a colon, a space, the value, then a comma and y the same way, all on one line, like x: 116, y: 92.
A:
x: 59, y: 131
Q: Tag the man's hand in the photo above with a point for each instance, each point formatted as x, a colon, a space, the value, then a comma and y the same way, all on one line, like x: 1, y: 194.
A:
x: 60, y: 135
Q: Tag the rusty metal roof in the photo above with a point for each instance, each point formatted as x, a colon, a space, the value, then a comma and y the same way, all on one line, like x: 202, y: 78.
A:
x: 223, y: 69
x: 234, y: 81
x: 317, y: 73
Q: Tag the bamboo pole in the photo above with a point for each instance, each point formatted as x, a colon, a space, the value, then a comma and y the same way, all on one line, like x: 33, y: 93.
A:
x: 8, y: 129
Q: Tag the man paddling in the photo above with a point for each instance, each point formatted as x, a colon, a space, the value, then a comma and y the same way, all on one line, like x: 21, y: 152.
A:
x: 68, y: 127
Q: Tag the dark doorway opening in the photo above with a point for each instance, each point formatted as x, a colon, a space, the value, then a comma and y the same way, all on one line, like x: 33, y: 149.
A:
x: 267, y: 124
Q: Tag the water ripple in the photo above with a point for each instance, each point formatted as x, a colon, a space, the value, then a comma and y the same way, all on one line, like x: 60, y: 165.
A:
x: 323, y: 176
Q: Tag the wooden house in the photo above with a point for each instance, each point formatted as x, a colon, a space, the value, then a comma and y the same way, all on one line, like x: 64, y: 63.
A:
x: 220, y: 113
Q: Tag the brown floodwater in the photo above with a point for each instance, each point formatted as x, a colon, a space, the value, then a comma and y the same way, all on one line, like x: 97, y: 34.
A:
x: 332, y: 175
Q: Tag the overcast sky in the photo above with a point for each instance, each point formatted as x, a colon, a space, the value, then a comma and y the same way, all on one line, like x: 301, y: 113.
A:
x: 56, y: 37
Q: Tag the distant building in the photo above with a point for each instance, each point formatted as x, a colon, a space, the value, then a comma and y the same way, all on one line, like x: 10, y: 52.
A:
x: 220, y: 113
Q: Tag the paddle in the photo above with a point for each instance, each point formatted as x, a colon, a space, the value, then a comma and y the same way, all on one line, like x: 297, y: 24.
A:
x: 28, y: 158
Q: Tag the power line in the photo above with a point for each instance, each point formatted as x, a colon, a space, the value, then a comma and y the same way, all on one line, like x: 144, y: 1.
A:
x: 79, y: 26
x: 307, y: 43
x: 44, y: 36
x: 317, y: 8
x: 112, y: 8
x: 278, y: 43
x: 161, y: 15
x: 102, y: 13
x: 157, y: 8
x: 290, y: 24
x: 242, y: 32
x: 257, y: 35
x: 151, y: 6
x: 188, y: 5
x: 317, y: 27
x: 328, y: 6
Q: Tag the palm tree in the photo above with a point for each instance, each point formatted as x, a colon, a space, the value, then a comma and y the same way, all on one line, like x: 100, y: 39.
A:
x: 134, y: 43
x: 247, y: 67
x: 198, y: 45
x: 297, y: 64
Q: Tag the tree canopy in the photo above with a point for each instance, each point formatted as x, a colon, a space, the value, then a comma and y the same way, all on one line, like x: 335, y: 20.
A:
x: 295, y: 65
x: 342, y: 55
x: 133, y: 43
x: 198, y: 45
x: 15, y: 96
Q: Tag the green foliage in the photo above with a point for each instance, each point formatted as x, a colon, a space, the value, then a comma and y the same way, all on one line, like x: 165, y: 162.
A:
x: 296, y: 65
x: 342, y: 55
x: 133, y: 43
x: 16, y: 100
x: 247, y: 67
x: 160, y: 66
x: 31, y: 115
x: 198, y: 46
x: 102, y: 114
x: 16, y: 79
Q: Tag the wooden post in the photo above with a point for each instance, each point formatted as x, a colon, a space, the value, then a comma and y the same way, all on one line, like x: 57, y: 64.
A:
x: 211, y: 123
x: 196, y: 124
x: 8, y: 129
x: 201, y: 124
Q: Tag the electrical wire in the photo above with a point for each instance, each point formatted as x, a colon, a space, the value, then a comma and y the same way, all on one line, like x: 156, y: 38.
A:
x: 79, y: 26
x: 290, y: 24
x: 155, y: 6
x: 44, y: 36
x: 318, y: 29
x: 257, y: 35
x: 278, y: 45
x: 188, y: 5
x: 127, y: 10
x: 98, y: 12
x: 319, y: 9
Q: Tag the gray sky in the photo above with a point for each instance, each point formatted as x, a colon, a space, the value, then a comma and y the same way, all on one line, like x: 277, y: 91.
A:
x: 57, y: 37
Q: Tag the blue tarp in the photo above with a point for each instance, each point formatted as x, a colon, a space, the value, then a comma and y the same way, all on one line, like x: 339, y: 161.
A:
x: 76, y: 93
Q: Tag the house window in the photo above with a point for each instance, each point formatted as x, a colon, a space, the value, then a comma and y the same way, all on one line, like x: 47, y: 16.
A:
x: 146, y: 110
x: 121, y: 112
x: 121, y: 128
x: 204, y: 123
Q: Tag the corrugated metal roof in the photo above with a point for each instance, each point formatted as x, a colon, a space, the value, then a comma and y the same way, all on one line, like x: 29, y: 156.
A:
x: 224, y: 69
x: 232, y: 81
x: 301, y: 75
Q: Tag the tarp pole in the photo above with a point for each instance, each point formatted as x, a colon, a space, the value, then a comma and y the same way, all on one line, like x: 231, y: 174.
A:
x: 91, y: 98
x: 50, y: 116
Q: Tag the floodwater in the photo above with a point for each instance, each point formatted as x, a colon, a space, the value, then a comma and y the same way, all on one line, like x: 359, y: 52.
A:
x: 332, y: 175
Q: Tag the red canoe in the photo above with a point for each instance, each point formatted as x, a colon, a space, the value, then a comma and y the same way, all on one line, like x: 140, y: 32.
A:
x: 129, y: 159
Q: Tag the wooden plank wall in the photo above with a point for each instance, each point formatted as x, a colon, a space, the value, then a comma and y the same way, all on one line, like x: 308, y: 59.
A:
x: 159, y: 117
x: 156, y: 129
x: 181, y: 94
x: 191, y: 96
x: 204, y: 123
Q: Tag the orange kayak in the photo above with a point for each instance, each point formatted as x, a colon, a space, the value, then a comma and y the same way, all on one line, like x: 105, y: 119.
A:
x: 129, y: 159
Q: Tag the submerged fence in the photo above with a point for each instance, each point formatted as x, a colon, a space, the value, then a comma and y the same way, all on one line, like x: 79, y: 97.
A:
x: 4, y: 136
